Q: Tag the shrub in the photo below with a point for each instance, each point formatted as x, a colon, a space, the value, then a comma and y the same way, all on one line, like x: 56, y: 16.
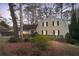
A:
x: 34, y: 34
x: 69, y: 39
x: 14, y: 39
x: 67, y: 36
x: 40, y: 41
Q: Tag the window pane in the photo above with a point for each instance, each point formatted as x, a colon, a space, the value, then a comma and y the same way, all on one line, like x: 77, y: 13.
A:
x: 44, y: 32
x: 56, y: 32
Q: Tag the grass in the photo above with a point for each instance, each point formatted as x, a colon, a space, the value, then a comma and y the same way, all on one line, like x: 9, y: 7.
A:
x: 3, y: 40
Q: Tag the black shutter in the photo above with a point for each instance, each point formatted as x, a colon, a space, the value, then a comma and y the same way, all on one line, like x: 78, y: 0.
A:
x: 57, y: 23
x: 43, y: 24
x: 42, y: 32
x: 58, y: 32
x: 53, y: 32
x: 52, y: 23
x: 46, y: 23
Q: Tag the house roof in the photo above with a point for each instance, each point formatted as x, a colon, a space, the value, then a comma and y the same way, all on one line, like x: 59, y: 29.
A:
x: 29, y: 27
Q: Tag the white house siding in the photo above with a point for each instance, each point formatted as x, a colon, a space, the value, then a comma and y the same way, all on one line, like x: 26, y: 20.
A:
x: 63, y: 27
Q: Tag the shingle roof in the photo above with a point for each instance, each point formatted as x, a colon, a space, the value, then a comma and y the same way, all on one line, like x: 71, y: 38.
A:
x: 29, y: 27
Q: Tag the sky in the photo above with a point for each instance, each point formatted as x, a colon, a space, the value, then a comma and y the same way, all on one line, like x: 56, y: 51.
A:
x: 4, y: 12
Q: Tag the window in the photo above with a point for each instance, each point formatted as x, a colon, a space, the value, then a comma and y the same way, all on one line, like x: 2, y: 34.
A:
x: 43, y: 24
x: 52, y: 23
x: 56, y: 32
x: 57, y: 23
x: 46, y: 23
x: 44, y: 32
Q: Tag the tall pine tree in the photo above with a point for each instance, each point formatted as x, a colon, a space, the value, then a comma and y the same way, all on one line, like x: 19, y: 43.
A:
x: 73, y: 27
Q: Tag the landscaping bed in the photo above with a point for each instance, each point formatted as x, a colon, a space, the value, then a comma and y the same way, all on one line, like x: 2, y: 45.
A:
x: 56, y: 49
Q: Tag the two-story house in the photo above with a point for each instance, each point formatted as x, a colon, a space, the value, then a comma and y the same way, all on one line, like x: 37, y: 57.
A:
x: 52, y: 26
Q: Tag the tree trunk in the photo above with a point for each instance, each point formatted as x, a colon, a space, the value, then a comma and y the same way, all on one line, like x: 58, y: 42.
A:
x: 21, y: 22
x: 72, y: 7
x: 61, y: 9
x: 15, y: 26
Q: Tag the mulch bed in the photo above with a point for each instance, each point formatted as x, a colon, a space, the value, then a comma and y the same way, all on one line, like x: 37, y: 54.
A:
x: 23, y: 49
x: 27, y: 49
x: 13, y: 48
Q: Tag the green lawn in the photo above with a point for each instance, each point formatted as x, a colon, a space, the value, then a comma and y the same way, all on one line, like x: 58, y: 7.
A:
x: 3, y: 40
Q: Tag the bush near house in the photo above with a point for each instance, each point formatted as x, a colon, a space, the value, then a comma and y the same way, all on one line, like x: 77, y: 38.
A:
x: 69, y: 39
x: 14, y: 39
x: 40, y: 41
x: 58, y: 38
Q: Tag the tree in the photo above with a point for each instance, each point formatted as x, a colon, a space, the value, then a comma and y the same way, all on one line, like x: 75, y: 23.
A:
x: 45, y: 10
x: 73, y: 26
x: 21, y: 22
x: 78, y: 29
x: 32, y: 8
x: 2, y: 23
x: 15, y: 26
x: 67, y: 15
x: 59, y: 7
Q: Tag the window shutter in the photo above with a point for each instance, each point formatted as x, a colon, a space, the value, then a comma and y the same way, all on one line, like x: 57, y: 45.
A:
x: 42, y: 32
x: 53, y: 32
x: 57, y: 23
x: 46, y: 23
x: 58, y: 32
x: 43, y: 24
x: 52, y: 23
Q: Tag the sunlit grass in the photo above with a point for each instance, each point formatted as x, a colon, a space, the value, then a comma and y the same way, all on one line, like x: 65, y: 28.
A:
x: 3, y: 40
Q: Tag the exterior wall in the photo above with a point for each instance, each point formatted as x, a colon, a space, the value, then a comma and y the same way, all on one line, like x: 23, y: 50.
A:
x: 29, y: 31
x: 25, y: 32
x: 63, y: 27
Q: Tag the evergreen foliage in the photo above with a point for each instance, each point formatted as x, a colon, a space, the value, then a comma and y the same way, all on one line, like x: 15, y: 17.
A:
x: 74, y: 27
